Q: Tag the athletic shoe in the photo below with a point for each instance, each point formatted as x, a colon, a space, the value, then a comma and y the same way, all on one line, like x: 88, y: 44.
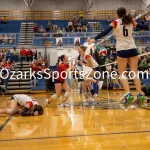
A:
x: 140, y: 99
x: 127, y: 99
x: 64, y: 105
x: 100, y: 84
x: 46, y: 102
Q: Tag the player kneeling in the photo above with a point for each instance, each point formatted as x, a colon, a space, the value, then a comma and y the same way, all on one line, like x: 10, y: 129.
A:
x: 29, y: 106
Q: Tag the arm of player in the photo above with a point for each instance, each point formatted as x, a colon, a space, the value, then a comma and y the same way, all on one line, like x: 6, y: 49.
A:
x: 104, y: 33
x: 26, y: 112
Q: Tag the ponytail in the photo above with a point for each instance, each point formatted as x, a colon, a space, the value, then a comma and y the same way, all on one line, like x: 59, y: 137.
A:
x: 127, y: 19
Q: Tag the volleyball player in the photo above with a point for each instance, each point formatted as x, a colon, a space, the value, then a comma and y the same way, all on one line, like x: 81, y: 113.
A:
x: 91, y: 72
x: 60, y: 82
x: 30, y: 106
x: 126, y: 51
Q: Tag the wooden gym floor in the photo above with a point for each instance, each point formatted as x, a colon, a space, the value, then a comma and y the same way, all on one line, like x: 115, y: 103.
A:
x: 76, y: 128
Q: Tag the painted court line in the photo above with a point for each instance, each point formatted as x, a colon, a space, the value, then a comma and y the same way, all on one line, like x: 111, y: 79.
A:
x: 5, y: 123
x: 72, y: 136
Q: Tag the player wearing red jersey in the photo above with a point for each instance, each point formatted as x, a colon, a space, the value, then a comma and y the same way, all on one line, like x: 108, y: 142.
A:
x: 60, y: 82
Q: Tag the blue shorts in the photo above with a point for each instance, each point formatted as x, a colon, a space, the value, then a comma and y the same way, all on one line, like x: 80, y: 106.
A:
x: 127, y: 53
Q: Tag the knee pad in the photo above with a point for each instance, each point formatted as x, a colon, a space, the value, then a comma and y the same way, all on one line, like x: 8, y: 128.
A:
x: 55, y: 97
x: 67, y: 94
x: 9, y: 111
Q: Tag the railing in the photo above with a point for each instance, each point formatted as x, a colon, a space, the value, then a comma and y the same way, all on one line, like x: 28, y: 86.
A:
x: 58, y: 15
x: 69, y: 39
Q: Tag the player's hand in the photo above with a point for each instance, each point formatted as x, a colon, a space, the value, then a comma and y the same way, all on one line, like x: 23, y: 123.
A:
x: 36, y: 113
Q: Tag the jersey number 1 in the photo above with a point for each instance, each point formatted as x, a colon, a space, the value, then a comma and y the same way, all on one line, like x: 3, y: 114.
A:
x: 125, y: 31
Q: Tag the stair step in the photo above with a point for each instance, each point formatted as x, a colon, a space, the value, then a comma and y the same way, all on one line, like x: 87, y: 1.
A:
x: 18, y: 87
x: 21, y: 80
x: 18, y: 91
x: 17, y: 83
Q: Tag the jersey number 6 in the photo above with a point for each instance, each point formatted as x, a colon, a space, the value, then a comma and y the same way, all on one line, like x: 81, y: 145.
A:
x: 125, y: 31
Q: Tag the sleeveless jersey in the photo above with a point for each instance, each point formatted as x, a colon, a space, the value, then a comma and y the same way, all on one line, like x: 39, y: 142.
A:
x: 94, y: 63
x: 124, y: 35
x: 23, y: 99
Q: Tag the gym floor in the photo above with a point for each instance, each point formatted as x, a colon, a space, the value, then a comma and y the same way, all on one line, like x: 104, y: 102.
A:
x: 76, y: 127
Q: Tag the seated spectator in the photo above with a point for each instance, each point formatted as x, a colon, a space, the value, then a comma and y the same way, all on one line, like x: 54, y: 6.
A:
x: 70, y: 24
x: 147, y: 48
x: 11, y: 39
x: 1, y: 55
x: 143, y: 65
x: 111, y: 57
x: 84, y: 28
x: 29, y: 55
x: 79, y: 29
x: 35, y: 28
x: 23, y: 54
x: 15, y: 54
x: 59, y: 31
x: 5, y: 39
x: 49, y: 26
x: 40, y: 56
x: 41, y: 30
x: 1, y: 39
x: 143, y: 51
x: 4, y: 20
x: 2, y: 86
x: 63, y: 30
x: 9, y: 56
x: 107, y: 47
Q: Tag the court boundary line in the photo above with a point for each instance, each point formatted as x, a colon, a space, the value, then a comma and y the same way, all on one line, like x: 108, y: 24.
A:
x: 6, y: 122
x: 73, y: 136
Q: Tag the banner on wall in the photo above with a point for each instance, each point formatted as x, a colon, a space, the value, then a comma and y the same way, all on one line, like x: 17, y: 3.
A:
x: 59, y: 43
x: 76, y: 42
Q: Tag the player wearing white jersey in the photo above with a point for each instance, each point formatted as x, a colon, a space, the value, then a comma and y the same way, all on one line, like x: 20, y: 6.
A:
x: 126, y: 51
x: 93, y: 66
x: 30, y: 106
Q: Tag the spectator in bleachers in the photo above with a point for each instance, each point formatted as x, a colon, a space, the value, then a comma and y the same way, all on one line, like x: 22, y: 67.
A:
x: 9, y: 56
x: 1, y: 55
x: 34, y: 68
x: 70, y: 24
x: 107, y: 46
x: 143, y: 51
x: 35, y: 54
x: 15, y: 54
x: 11, y: 39
x: 49, y: 26
x: 1, y: 39
x: 4, y: 20
x: 29, y: 55
x: 147, y: 48
x: 40, y: 57
x: 111, y: 57
x: 5, y: 39
x: 2, y: 86
x: 5, y: 53
x: 143, y: 65
x: 23, y: 54
x: 35, y: 28
x: 41, y: 30
x: 59, y: 31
